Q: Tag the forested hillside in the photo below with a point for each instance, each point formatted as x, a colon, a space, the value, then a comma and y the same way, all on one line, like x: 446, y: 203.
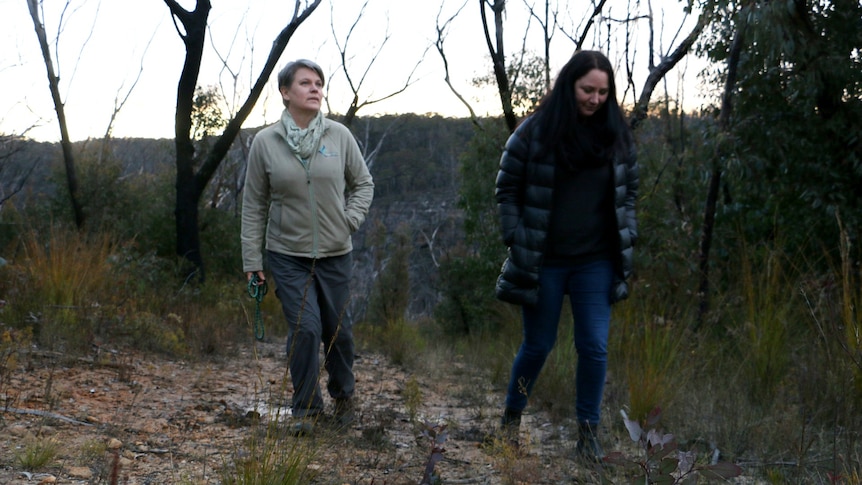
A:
x: 414, y: 161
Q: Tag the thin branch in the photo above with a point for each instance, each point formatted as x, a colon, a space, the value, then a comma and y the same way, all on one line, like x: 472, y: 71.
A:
x: 119, y: 103
x: 442, y: 32
x: 662, y: 68
x: 356, y: 85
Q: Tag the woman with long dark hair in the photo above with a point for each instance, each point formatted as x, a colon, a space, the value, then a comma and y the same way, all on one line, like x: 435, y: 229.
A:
x: 566, y: 192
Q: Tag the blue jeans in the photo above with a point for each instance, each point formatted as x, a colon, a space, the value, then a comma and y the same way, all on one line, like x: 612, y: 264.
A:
x: 589, y: 288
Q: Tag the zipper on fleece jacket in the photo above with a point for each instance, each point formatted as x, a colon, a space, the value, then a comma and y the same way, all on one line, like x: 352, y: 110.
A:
x: 313, y: 204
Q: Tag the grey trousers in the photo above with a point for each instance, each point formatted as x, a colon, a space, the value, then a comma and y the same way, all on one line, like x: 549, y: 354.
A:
x: 314, y: 294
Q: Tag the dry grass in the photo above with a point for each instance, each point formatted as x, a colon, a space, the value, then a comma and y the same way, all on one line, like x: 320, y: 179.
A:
x: 773, y: 381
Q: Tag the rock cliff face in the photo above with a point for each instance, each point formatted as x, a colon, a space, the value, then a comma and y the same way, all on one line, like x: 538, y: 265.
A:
x: 432, y: 223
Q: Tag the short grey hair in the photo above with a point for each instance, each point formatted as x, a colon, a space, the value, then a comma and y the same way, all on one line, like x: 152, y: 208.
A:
x: 288, y: 72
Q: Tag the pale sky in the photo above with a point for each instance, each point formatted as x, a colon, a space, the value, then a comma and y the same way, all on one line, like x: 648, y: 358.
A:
x: 105, y: 46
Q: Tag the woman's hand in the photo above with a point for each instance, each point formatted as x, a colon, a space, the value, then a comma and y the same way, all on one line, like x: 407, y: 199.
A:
x: 260, y: 276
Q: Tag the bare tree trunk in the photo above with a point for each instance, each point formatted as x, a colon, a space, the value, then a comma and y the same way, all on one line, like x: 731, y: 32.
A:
x: 715, y: 175
x: 187, y: 193
x: 548, y: 29
x: 498, y: 57
x: 65, y: 142
x: 190, y: 185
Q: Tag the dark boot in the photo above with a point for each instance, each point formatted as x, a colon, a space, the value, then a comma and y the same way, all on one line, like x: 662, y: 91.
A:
x: 511, y: 418
x: 345, y: 412
x: 589, y: 447
x: 510, y: 425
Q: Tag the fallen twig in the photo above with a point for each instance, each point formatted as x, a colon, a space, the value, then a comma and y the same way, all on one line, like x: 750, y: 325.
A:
x: 45, y: 414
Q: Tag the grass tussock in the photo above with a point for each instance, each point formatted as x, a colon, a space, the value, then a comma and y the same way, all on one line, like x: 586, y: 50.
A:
x: 271, y: 460
x: 37, y: 453
x: 764, y: 330
x: 67, y: 280
x: 12, y: 344
x: 650, y: 352
x: 75, y: 291
x: 400, y: 340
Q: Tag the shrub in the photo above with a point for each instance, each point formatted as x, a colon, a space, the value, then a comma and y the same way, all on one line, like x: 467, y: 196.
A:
x: 37, y: 453
x: 69, y: 277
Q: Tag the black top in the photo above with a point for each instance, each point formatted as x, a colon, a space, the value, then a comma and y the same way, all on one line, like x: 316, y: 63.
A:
x: 581, y: 227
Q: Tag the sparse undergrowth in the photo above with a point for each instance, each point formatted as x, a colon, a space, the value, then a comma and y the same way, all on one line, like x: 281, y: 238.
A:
x: 714, y: 383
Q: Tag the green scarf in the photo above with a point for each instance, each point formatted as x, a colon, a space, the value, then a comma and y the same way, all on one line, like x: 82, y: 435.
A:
x: 303, y: 141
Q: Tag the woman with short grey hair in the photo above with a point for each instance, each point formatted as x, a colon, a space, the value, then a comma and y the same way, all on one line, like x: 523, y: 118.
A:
x: 307, y: 190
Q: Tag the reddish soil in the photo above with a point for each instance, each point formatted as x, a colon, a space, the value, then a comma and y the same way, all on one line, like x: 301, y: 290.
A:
x: 173, y: 422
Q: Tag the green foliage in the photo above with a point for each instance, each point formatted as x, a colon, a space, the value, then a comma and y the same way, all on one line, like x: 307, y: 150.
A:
x: 468, y: 273
x: 207, y: 116
x: 390, y: 295
x: 478, y: 170
x: 831, y: 386
x: 92, y: 450
x: 129, y: 206
x: 392, y: 333
x: 63, y: 283
x: 220, y: 242
x: 672, y: 155
x: 527, y: 80
x: 795, y: 155
x: 412, y: 394
x: 851, y: 311
x: 419, y: 154
x: 401, y: 341
x: 468, y: 304
x: 153, y: 333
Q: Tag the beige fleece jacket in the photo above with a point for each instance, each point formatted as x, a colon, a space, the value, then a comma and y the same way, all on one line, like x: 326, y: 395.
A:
x: 306, y: 210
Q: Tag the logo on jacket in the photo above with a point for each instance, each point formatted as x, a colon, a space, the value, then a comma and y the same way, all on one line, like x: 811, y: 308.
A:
x: 328, y: 154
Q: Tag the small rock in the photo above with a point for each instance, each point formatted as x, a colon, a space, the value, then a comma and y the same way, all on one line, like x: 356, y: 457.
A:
x: 114, y: 444
x: 48, y: 479
x: 18, y: 430
x: 82, y: 472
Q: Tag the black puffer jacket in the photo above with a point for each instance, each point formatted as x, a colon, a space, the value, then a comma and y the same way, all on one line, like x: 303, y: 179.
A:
x: 525, y: 186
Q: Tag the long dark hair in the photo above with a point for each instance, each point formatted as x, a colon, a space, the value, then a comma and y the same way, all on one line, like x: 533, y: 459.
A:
x: 557, y: 115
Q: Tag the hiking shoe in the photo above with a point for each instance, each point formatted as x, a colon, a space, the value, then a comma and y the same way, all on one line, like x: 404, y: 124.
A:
x: 302, y: 427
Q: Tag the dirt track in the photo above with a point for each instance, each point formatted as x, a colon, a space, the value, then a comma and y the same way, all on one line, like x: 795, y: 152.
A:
x: 174, y: 422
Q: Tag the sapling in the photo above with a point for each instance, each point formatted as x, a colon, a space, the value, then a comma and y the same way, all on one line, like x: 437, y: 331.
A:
x: 662, y: 460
